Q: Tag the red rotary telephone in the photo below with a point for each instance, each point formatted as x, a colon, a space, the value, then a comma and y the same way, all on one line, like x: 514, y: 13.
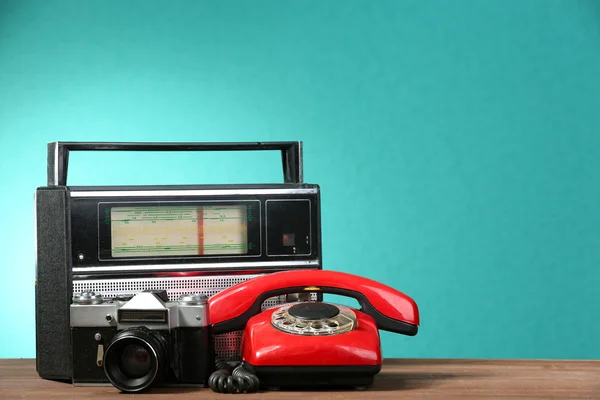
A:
x: 307, y: 343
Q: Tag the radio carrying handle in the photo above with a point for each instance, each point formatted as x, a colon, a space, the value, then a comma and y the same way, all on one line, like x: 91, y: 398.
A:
x: 58, y: 154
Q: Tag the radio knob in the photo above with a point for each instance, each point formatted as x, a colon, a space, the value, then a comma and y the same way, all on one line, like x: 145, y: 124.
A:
x: 87, y: 297
x: 193, y: 299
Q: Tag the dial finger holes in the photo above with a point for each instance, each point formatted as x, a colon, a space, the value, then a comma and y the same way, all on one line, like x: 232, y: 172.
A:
x: 313, y: 321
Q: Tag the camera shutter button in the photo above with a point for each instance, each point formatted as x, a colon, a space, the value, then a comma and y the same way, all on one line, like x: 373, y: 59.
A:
x: 87, y: 297
x: 192, y: 299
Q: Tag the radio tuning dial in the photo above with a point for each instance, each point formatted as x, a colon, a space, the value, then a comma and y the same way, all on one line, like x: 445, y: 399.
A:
x: 193, y: 299
x: 87, y: 297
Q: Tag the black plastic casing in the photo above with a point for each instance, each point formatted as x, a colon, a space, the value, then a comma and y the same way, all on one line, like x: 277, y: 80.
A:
x: 315, y: 377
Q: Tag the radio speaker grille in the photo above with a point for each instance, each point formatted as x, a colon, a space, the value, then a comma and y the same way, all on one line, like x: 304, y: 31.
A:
x: 226, y: 345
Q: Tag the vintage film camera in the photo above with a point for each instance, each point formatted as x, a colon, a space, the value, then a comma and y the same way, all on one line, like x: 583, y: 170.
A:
x: 123, y: 240
x: 141, y: 341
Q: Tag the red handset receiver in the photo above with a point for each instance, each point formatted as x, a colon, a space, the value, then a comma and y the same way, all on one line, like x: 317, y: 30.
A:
x: 392, y: 310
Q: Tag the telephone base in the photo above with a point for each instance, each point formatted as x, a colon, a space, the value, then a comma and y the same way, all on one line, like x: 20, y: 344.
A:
x: 289, y: 377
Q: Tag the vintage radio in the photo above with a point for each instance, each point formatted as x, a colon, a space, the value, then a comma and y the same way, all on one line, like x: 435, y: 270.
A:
x: 123, y: 240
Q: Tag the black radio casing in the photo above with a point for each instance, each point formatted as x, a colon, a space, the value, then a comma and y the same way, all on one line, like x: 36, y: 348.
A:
x: 71, y: 236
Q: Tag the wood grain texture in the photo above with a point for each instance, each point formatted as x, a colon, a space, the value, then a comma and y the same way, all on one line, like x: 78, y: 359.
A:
x: 399, y: 379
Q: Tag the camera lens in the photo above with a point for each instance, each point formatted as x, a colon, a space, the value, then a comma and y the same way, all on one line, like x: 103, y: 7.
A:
x: 135, y: 359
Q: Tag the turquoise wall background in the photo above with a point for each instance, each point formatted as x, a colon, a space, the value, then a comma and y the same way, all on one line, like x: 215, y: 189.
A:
x: 456, y: 143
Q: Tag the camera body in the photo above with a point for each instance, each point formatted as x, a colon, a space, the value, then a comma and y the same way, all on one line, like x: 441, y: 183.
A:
x: 140, y: 341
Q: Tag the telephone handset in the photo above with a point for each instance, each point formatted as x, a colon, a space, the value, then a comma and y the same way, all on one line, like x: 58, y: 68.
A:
x: 393, y: 311
x: 314, y: 343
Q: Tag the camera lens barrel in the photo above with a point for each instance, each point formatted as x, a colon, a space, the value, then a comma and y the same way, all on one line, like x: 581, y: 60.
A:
x: 135, y: 359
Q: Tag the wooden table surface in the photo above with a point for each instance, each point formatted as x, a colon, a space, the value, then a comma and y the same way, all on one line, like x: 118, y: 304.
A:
x: 399, y: 379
